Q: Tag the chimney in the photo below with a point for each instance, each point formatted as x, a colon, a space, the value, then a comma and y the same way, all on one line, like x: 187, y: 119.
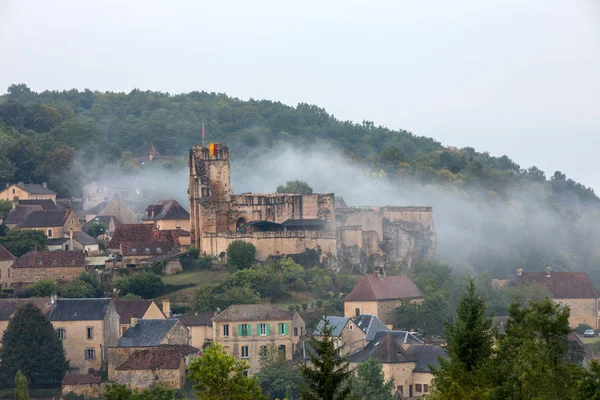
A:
x: 380, y: 273
x: 548, y: 270
x: 166, y: 308
x: 134, y: 320
x: 45, y: 185
x: 53, y: 298
x: 519, y: 271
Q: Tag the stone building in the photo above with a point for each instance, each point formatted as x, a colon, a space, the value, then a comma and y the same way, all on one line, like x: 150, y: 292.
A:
x: 246, y: 330
x: 140, y: 309
x: 380, y: 295
x: 27, y: 191
x: 200, y: 327
x: 54, y: 223
x: 275, y: 223
x: 87, y: 327
x: 60, y: 266
x: 347, y: 336
x: 21, y: 209
x: 167, y: 215
x: 125, y: 187
x: 116, y: 208
x: 6, y: 261
x: 88, y: 386
x: 570, y: 289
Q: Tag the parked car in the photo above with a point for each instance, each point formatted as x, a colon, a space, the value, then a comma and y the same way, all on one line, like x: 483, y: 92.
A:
x: 588, y: 333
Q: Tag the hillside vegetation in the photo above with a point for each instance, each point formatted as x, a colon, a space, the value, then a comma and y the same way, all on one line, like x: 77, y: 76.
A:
x: 491, y: 213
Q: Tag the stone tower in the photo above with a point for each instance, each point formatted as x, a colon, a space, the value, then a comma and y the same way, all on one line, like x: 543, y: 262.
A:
x: 209, y: 190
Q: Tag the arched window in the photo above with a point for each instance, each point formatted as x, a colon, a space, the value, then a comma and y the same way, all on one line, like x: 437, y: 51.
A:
x: 239, y: 225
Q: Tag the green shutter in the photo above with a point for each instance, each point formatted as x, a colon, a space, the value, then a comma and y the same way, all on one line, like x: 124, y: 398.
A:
x: 279, y: 329
x: 239, y: 329
x: 285, y: 329
x: 257, y: 329
x: 249, y: 330
x: 268, y: 329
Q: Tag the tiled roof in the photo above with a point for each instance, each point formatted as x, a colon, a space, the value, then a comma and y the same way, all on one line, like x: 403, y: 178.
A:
x: 370, y: 325
x: 198, y: 319
x: 84, y: 238
x: 166, y: 210
x: 145, y: 248
x: 80, y: 309
x: 97, y: 208
x: 19, y: 214
x: 35, y: 259
x: 44, y: 218
x: 147, y: 332
x: 5, y: 255
x: 426, y: 355
x: 562, y: 285
x: 46, y: 204
x: 129, y: 308
x: 183, y: 349
x: 251, y: 312
x: 141, y: 233
x: 56, y: 241
x: 373, y: 288
x: 72, y: 379
x: 159, y: 358
x: 336, y: 324
x: 166, y: 257
x: 9, y: 306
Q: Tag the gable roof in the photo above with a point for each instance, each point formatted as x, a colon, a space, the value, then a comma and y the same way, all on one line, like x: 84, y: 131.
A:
x: 370, y: 325
x: 158, y: 358
x: 129, y: 308
x: 19, y: 214
x: 147, y: 332
x: 374, y: 288
x: 80, y: 309
x: 45, y: 204
x: 34, y: 259
x: 6, y: 255
x: 44, y: 218
x: 166, y: 257
x: 166, y: 210
x: 84, y: 238
x: 197, y: 319
x: 141, y: 233
x: 143, y: 248
x: 336, y: 324
x: 426, y: 355
x: 252, y: 312
x: 562, y: 285
x: 9, y: 306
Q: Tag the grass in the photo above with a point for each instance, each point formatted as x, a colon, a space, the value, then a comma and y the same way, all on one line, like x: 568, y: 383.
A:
x: 197, y: 277
x: 590, y: 340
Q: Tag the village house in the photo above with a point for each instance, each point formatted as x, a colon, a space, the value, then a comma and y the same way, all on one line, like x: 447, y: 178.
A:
x: 404, y: 358
x: 54, y: 223
x: 570, y: 289
x: 165, y: 364
x: 88, y: 386
x: 380, y: 295
x: 370, y: 325
x: 124, y: 187
x: 6, y: 261
x: 9, y: 306
x: 137, y: 243
x: 167, y: 214
x: 141, y: 309
x: 246, y: 330
x: 116, y: 208
x: 111, y: 223
x: 62, y: 266
x: 21, y: 209
x: 27, y: 191
x: 87, y: 327
x: 347, y: 336
x: 200, y: 327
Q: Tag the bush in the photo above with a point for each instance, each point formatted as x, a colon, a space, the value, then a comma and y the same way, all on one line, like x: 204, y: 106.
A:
x: 204, y: 262
x: 145, y: 284
x: 42, y: 288
x: 304, y: 306
x: 194, y: 252
x: 582, y: 328
x: 319, y: 303
x: 241, y: 254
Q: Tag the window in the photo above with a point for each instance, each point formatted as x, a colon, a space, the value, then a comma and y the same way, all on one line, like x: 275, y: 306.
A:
x: 158, y: 250
x: 351, y: 327
x: 356, y: 312
x: 263, y: 329
x: 225, y: 330
x: 133, y: 250
x: 246, y: 373
x: 425, y: 388
x: 244, y: 351
x: 282, y: 328
x: 49, y: 233
x: 90, y: 332
x: 295, y: 331
x: 244, y: 330
x: 281, y: 348
x: 147, y: 250
x: 400, y: 389
x: 418, y: 388
x: 60, y: 332
x: 90, y: 354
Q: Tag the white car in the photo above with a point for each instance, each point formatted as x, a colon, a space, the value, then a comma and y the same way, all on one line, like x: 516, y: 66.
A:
x: 588, y: 333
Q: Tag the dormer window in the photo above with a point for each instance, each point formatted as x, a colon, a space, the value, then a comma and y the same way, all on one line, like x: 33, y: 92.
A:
x: 41, y: 262
x: 147, y: 250
x: 158, y: 250
x: 54, y: 262
x: 133, y: 250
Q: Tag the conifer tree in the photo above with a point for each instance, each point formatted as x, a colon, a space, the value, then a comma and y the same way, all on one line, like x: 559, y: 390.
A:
x: 30, y: 345
x: 370, y: 382
x: 22, y: 387
x: 327, y: 375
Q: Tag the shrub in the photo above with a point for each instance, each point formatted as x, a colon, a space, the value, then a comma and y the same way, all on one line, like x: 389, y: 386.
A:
x: 145, y: 284
x: 241, y: 254
x: 304, y: 306
x: 582, y: 328
x: 194, y: 252
x: 42, y: 288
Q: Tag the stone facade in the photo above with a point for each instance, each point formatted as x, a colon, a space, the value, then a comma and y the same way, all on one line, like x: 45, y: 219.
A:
x: 385, y: 310
x: 407, y: 380
x: 21, y: 192
x: 5, y: 273
x: 582, y: 311
x: 27, y: 275
x: 142, y: 378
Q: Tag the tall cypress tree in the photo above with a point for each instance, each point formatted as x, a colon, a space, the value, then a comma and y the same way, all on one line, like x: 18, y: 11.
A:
x: 326, y: 377
x: 31, y: 345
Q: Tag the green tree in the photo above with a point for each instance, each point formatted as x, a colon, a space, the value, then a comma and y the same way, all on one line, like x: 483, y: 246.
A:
x: 146, y: 284
x: 370, y: 383
x: 78, y: 288
x: 590, y: 383
x: 327, y: 375
x: 22, y: 386
x: 277, y: 377
x: 42, y: 288
x: 296, y: 187
x: 21, y: 241
x: 469, y: 339
x: 5, y: 207
x: 429, y: 316
x: 241, y: 254
x: 219, y: 376
x: 27, y: 330
x: 96, y: 229
x: 115, y: 391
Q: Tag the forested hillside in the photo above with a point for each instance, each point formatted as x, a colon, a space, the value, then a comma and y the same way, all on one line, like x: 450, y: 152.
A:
x: 491, y: 214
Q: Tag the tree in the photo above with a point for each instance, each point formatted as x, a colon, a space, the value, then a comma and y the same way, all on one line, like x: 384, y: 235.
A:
x: 469, y: 342
x: 219, y: 376
x: 22, y: 387
x: 327, y: 375
x: 590, y: 383
x: 5, y: 207
x: 78, y: 288
x: 430, y: 316
x: 370, y: 383
x: 241, y: 254
x: 42, y: 288
x: 27, y: 330
x: 146, y: 284
x: 277, y: 378
x: 296, y: 187
x: 21, y: 241
x: 96, y: 229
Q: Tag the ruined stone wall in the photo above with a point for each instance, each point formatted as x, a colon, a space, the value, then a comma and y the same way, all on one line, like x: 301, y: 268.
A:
x: 273, y: 243
x: 417, y: 215
x: 88, y: 391
x: 179, y: 334
x: 145, y: 378
x: 367, y: 220
x: 351, y: 236
x: 24, y: 275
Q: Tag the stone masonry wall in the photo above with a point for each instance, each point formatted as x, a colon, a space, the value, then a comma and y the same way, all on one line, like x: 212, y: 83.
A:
x: 31, y: 274
x: 76, y: 343
x: 144, y: 378
x: 583, y: 311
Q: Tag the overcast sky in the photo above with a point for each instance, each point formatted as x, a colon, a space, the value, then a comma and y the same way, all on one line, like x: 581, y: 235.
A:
x: 512, y: 77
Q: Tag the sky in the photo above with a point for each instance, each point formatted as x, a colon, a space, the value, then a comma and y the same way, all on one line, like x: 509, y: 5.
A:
x: 513, y: 77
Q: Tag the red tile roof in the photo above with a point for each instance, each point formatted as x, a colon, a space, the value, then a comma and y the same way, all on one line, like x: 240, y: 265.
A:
x: 149, y: 249
x: 141, y: 233
x: 71, y: 379
x: 252, y: 312
x: 5, y: 255
x: 129, y: 308
x: 35, y: 259
x: 158, y: 358
x: 562, y: 285
x: 373, y: 288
